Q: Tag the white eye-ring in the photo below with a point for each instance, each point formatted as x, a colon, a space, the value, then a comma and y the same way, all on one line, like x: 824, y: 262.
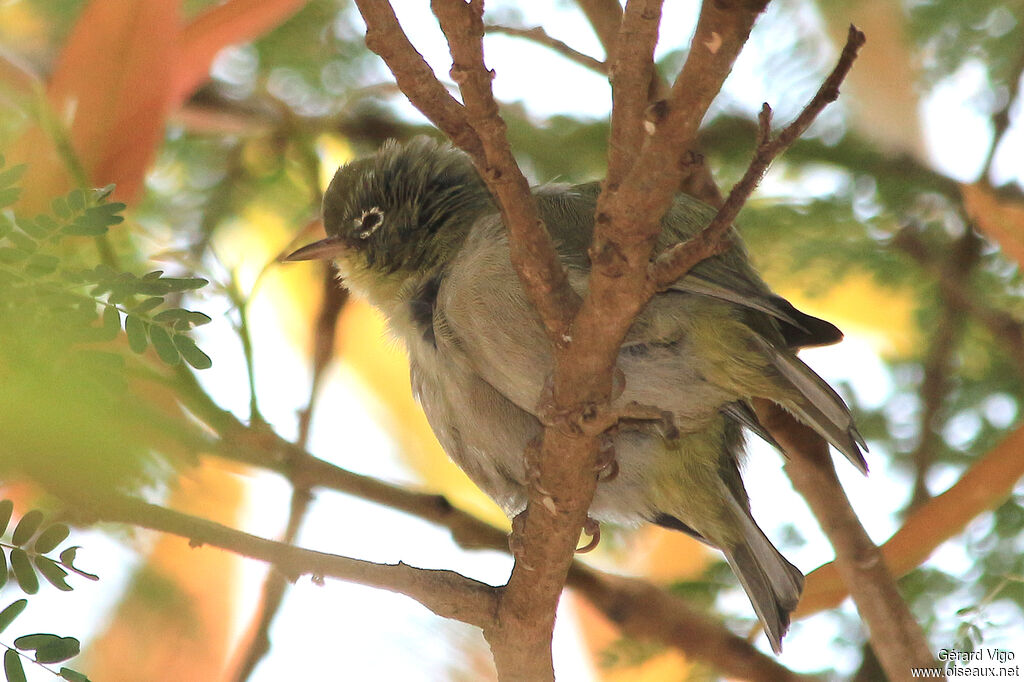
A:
x: 368, y: 223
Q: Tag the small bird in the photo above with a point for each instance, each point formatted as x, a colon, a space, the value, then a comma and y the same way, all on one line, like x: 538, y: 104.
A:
x: 414, y: 230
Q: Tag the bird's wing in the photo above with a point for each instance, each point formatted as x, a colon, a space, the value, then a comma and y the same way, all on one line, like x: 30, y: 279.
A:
x: 689, y: 352
x: 568, y: 211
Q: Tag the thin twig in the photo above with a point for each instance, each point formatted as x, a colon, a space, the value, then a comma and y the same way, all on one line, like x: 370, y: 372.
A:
x: 532, y: 250
x: 677, y: 261
x: 385, y: 37
x: 275, y: 584
x: 538, y: 35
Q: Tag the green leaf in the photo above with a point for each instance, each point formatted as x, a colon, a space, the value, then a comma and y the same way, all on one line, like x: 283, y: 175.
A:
x: 163, y: 345
x: 58, y: 651
x: 73, y: 675
x: 9, y: 196
x: 10, y: 255
x: 135, y: 328
x: 12, y: 611
x: 189, y: 318
x: 111, y: 323
x: 3, y: 568
x: 27, y: 527
x: 53, y: 573
x: 41, y: 264
x: 67, y: 560
x: 23, y: 242
x: 12, y: 175
x: 193, y: 356
x: 184, y: 283
x: 13, y: 668
x: 76, y: 200
x: 36, y: 640
x: 6, y: 509
x: 26, y: 576
x: 101, y: 193
x: 60, y: 208
x: 147, y: 305
x: 51, y: 537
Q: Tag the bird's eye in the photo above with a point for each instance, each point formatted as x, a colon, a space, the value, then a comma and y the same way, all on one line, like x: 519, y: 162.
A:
x: 368, y: 223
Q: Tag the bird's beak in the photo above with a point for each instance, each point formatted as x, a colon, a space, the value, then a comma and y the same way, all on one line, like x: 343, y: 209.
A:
x: 323, y: 249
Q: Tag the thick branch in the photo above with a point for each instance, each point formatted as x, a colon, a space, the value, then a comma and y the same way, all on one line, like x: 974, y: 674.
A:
x: 895, y: 636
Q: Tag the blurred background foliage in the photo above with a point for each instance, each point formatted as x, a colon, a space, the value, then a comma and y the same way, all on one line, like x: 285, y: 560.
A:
x: 220, y: 124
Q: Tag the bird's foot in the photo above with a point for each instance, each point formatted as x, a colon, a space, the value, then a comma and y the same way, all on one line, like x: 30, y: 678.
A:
x: 607, y: 466
x: 593, y: 529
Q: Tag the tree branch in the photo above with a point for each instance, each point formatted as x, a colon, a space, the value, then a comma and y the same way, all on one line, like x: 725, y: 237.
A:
x: 984, y: 486
x: 533, y: 253
x: 625, y: 602
x: 648, y: 613
x: 446, y: 593
x: 678, y: 260
x: 540, y: 36
x: 631, y: 74
x: 385, y: 37
x: 895, y: 636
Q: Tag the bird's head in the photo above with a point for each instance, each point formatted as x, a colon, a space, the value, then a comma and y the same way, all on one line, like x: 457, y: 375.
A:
x: 399, y: 213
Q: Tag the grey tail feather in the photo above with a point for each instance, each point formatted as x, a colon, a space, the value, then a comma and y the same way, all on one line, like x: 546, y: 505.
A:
x: 770, y: 581
x: 821, y: 408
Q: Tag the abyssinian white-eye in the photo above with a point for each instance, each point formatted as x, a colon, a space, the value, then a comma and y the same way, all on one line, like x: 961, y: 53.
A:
x: 414, y: 230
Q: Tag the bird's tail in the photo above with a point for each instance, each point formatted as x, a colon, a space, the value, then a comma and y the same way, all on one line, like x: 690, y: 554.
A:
x: 770, y: 581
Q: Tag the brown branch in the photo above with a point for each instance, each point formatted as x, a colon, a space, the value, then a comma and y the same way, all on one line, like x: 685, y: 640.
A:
x: 937, y: 381
x: 677, y: 261
x: 275, y: 584
x: 545, y: 534
x: 605, y: 16
x: 385, y: 37
x: 671, y: 622
x: 540, y: 36
x: 985, y: 485
x: 895, y: 636
x: 533, y: 253
x: 446, y: 593
x: 627, y: 220
x: 648, y: 613
x: 631, y: 73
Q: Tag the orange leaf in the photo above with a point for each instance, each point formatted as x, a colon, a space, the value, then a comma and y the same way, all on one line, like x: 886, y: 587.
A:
x: 112, y: 80
x: 1001, y: 220
x: 235, y: 21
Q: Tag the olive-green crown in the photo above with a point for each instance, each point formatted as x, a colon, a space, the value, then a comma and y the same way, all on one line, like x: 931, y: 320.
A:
x: 407, y: 207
